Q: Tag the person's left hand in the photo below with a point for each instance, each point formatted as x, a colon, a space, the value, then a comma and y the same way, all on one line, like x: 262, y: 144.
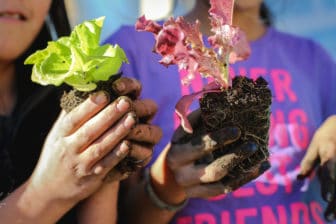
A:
x: 322, y: 153
x: 143, y: 136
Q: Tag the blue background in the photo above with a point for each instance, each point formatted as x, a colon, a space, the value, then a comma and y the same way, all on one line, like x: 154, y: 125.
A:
x: 315, y: 19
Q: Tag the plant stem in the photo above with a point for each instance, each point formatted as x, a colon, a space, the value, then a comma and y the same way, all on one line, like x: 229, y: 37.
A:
x: 230, y: 19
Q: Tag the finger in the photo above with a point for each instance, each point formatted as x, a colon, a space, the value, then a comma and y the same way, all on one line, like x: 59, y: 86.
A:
x: 105, y: 119
x: 103, y: 145
x: 327, y: 174
x: 150, y: 134
x: 198, y: 146
x: 232, y: 182
x: 116, y: 175
x: 195, y: 121
x: 330, y: 212
x: 141, y: 153
x: 145, y: 109
x: 190, y: 174
x: 83, y: 112
x: 108, y: 162
x: 309, y: 161
x: 139, y: 156
x: 327, y: 151
x: 251, y: 161
x: 222, y: 165
x: 127, y: 86
x: 205, y: 190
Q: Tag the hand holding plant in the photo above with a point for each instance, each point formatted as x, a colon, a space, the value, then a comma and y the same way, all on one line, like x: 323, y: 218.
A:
x: 80, y: 62
x: 77, y: 60
x: 241, y: 102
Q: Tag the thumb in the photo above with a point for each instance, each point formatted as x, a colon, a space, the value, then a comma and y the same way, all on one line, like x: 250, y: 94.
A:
x: 309, y: 161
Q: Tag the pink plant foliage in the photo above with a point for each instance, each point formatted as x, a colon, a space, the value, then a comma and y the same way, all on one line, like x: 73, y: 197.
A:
x: 221, y: 11
x: 181, y: 43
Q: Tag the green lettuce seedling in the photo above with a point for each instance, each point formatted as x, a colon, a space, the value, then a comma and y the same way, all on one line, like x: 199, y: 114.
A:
x: 77, y: 60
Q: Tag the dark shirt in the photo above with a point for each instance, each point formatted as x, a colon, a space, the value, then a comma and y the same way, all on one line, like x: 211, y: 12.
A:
x: 22, y: 134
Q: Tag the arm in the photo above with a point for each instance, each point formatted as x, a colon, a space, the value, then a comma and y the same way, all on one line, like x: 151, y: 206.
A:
x: 135, y: 195
x: 80, y: 149
x: 321, y: 153
x: 27, y: 204
x: 101, y: 207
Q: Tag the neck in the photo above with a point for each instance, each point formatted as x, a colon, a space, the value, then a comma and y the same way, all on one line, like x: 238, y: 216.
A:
x: 246, y: 19
x: 250, y: 22
x: 7, y: 94
x: 200, y: 12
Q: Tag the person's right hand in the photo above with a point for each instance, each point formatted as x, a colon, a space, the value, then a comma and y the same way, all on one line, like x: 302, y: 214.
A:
x: 82, y: 147
x: 186, y: 178
x: 321, y: 156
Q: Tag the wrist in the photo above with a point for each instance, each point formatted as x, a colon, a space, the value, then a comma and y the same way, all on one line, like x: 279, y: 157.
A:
x: 164, y: 183
x: 42, y: 203
x: 159, y: 201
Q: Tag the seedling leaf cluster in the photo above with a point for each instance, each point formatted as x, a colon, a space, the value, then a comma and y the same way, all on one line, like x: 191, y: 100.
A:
x: 77, y: 60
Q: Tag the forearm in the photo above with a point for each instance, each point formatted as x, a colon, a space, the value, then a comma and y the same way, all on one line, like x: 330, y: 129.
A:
x: 31, y: 206
x: 137, y: 197
x: 101, y: 207
x: 138, y: 208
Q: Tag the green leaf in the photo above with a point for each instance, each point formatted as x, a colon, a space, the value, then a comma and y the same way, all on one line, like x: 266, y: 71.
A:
x: 79, y: 82
x: 104, y: 70
x: 77, y: 60
x: 87, y: 35
x: 56, y: 69
x: 36, y: 57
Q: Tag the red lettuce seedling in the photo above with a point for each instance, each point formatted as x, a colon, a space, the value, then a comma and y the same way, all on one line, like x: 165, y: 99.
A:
x: 180, y: 42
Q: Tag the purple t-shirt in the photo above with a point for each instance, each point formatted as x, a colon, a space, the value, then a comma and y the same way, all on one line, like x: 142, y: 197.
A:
x: 303, y: 81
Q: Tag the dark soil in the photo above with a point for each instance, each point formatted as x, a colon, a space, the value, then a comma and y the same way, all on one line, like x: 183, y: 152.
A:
x: 245, y: 105
x: 73, y: 98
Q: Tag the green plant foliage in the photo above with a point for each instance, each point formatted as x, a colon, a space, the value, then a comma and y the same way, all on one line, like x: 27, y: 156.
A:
x: 77, y: 60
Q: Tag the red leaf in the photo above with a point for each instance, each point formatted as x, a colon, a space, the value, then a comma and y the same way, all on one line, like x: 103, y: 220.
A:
x: 184, y: 103
x: 142, y: 24
x: 181, y: 43
x: 221, y: 11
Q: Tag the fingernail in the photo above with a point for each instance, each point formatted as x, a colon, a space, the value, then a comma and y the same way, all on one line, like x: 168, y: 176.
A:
x: 235, y: 132
x: 100, y: 98
x: 330, y: 217
x: 130, y: 120
x: 123, y: 104
x: 329, y: 197
x: 225, y: 134
x: 227, y: 190
x: 123, y: 150
x: 264, y: 166
x: 126, y: 175
x: 119, y: 86
x: 250, y: 147
x: 98, y: 170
